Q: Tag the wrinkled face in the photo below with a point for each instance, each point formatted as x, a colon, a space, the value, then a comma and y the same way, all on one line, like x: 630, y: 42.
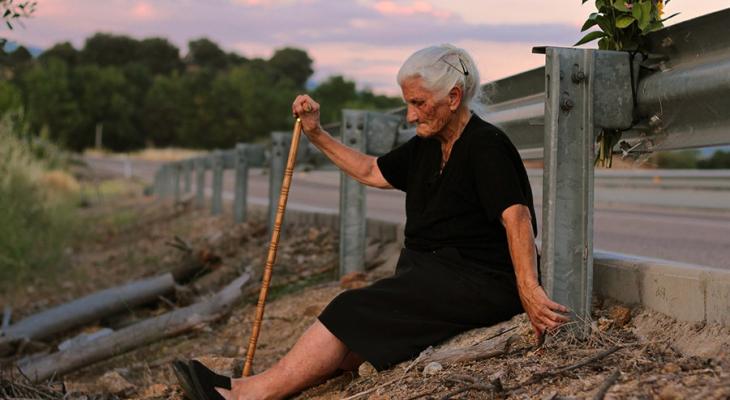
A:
x: 430, y: 115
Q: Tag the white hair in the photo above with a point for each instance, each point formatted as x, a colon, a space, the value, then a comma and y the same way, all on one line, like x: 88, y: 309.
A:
x: 441, y: 68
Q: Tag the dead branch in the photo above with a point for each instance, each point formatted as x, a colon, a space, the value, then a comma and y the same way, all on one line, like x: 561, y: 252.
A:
x: 86, y: 310
x: 166, y: 325
x: 481, y: 351
x: 472, y: 386
x: 363, y: 393
x: 601, y: 393
x: 542, y: 375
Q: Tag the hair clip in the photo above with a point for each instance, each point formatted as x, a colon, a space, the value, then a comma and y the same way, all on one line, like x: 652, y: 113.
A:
x: 463, y: 67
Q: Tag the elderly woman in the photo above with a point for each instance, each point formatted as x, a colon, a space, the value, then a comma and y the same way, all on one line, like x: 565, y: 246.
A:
x: 469, y: 258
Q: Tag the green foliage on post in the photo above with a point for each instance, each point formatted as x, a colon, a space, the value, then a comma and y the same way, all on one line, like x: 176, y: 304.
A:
x: 622, y: 23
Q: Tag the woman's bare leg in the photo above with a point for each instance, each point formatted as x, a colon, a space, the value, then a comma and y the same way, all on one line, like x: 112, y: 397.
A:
x: 317, y: 355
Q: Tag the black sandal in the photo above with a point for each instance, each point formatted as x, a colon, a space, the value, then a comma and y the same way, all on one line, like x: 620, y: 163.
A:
x: 205, y: 381
x: 182, y: 373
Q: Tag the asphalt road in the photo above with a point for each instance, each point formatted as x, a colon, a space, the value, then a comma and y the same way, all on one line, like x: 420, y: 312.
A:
x: 693, y: 228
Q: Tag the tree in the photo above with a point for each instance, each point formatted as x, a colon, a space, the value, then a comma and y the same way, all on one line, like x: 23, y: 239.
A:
x: 105, y: 98
x: 162, y: 111
x: 50, y: 102
x: 332, y: 95
x: 19, y: 58
x: 106, y: 49
x: 206, y: 54
x: 337, y: 93
x: 293, y: 64
x: 235, y: 60
x: 62, y: 51
x: 720, y: 160
x: 159, y: 56
x: 682, y: 159
x: 10, y: 98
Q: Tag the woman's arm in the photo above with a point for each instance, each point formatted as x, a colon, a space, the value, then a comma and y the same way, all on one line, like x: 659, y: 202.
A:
x: 359, y: 166
x: 542, y: 311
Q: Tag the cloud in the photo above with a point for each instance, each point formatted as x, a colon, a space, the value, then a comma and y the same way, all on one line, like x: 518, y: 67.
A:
x: 143, y: 10
x: 411, y: 8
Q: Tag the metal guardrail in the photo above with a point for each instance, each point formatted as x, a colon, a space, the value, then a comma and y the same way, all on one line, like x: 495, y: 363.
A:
x: 657, y: 179
x: 682, y: 92
x: 554, y: 113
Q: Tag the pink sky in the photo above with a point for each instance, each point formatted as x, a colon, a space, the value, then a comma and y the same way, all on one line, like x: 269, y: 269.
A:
x: 365, y: 40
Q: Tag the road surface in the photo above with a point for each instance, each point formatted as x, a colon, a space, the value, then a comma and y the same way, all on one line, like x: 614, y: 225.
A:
x: 693, y: 227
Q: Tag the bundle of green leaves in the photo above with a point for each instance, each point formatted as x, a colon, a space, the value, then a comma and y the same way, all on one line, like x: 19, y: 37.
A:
x: 622, y: 23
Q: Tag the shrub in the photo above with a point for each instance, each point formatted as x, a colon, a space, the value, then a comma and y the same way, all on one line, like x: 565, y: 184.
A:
x: 36, y: 209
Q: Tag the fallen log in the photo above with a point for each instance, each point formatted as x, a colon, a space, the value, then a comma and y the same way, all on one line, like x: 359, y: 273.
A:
x: 488, y: 349
x: 166, y: 325
x: 85, y: 310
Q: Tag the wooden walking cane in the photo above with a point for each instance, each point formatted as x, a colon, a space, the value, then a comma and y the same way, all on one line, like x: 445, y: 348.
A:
x: 271, y: 258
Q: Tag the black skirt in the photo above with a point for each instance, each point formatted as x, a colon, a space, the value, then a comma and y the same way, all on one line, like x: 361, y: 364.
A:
x: 431, y: 297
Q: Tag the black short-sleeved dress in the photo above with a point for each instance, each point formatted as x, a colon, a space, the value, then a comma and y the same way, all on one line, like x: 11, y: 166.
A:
x: 455, y: 272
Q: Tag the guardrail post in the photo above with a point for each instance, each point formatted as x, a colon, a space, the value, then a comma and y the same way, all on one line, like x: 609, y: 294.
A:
x: 157, y: 183
x: 217, y: 199
x: 352, y: 198
x: 200, y: 167
x: 187, y: 173
x: 585, y: 90
x: 165, y: 178
x: 239, y: 198
x: 176, y: 167
x: 280, y: 142
x: 567, y: 211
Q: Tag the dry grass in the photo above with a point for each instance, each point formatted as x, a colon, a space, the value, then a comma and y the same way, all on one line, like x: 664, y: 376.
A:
x: 150, y: 154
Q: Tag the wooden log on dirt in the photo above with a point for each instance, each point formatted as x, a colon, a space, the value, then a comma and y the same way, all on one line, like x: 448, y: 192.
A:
x: 195, y: 260
x: 166, y: 325
x: 85, y: 310
x: 488, y: 349
x: 193, y: 263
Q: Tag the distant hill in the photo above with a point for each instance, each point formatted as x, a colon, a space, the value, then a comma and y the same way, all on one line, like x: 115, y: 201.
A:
x: 11, y: 46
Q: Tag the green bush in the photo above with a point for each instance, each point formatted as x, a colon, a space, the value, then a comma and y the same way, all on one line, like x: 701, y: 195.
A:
x: 37, y: 223
x: 682, y: 159
x: 720, y: 160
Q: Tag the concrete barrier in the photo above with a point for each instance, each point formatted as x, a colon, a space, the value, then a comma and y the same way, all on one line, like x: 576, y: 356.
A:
x: 683, y: 291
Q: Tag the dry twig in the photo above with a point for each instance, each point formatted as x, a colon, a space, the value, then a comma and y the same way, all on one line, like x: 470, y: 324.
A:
x: 363, y: 393
x: 601, y: 393
x: 542, y: 375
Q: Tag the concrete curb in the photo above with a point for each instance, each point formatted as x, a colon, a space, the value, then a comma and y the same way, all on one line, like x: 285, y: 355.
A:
x: 686, y: 292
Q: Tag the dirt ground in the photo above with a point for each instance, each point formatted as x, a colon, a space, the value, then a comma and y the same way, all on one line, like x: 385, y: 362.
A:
x: 649, y: 355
